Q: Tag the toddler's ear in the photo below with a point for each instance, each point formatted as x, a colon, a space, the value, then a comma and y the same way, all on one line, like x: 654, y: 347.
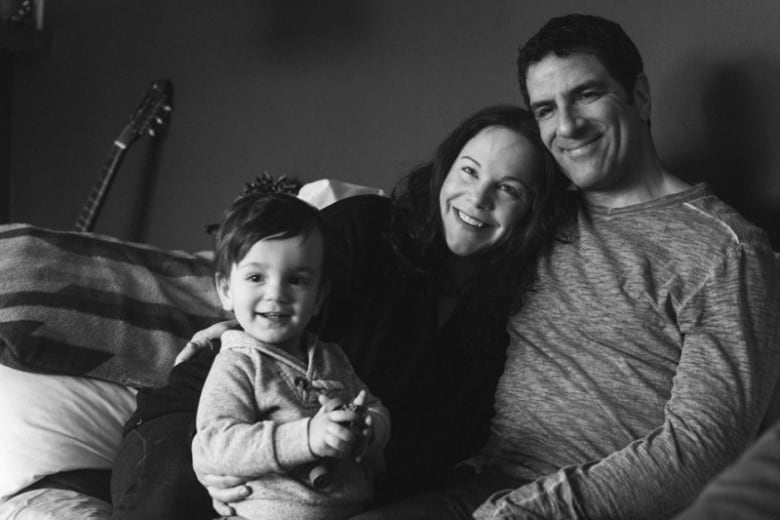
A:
x: 223, y: 290
x: 322, y: 295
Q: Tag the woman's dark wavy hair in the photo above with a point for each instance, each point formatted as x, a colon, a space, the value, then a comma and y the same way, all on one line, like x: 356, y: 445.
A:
x: 256, y: 216
x: 416, y: 232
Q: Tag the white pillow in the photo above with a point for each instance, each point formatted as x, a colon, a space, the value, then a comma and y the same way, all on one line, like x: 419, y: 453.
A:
x: 324, y: 192
x: 52, y: 423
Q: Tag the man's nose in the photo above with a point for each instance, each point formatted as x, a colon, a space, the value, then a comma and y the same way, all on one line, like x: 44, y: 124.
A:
x: 569, y: 121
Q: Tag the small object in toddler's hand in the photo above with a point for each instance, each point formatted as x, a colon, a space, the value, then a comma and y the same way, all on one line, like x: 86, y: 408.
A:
x: 352, y: 407
x: 319, y: 474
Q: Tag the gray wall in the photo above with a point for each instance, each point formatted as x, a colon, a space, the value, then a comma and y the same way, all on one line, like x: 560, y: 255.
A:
x: 359, y: 90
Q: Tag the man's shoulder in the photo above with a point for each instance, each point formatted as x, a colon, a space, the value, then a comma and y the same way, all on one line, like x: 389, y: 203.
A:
x: 713, y: 219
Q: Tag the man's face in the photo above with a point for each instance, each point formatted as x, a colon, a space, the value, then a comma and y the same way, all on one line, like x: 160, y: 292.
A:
x: 587, y: 122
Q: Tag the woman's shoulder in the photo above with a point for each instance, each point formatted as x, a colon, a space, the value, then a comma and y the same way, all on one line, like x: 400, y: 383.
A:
x: 367, y: 205
x: 360, y: 219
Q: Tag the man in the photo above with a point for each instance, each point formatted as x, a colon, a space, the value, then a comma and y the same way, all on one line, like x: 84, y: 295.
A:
x: 643, y: 363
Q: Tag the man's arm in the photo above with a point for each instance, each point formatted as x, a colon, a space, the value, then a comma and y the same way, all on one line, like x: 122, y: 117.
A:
x: 748, y: 489
x: 727, y: 367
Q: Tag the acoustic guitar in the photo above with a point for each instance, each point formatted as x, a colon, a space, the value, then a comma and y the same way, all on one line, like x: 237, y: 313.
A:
x: 152, y: 113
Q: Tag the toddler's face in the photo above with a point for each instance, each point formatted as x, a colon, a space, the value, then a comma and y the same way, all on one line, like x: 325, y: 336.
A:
x: 276, y: 289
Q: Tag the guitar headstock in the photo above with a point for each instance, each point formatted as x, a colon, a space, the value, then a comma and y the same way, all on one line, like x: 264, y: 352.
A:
x: 151, y: 114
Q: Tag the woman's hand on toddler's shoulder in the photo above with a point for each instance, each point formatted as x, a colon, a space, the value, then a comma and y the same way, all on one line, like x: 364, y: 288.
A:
x: 202, y: 340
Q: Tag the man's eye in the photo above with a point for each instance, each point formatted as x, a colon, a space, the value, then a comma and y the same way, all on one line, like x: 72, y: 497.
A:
x: 589, y: 95
x: 542, y: 113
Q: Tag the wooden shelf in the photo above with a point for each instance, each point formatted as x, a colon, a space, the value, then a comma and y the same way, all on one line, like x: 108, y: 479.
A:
x: 23, y: 38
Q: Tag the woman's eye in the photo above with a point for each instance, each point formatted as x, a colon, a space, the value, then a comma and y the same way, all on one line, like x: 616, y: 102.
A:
x: 468, y: 170
x: 510, y: 190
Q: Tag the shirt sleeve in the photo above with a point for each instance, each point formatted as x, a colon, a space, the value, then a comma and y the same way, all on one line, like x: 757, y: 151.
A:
x: 748, y: 489
x: 229, y: 439
x: 727, y: 369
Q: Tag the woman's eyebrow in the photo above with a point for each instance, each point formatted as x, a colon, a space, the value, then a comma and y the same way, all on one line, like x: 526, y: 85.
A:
x: 470, y: 158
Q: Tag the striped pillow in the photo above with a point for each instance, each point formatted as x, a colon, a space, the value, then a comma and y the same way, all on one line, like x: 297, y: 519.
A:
x: 90, y: 305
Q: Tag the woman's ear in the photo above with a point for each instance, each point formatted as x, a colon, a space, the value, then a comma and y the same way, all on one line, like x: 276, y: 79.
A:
x: 223, y: 290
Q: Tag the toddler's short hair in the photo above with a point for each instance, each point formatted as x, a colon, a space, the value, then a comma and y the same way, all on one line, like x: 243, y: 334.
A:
x: 257, y: 216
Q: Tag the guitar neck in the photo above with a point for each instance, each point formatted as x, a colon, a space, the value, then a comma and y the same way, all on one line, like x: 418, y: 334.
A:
x: 149, y: 114
x: 89, y: 212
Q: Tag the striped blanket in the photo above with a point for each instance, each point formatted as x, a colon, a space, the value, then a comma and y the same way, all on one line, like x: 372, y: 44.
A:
x: 90, y: 305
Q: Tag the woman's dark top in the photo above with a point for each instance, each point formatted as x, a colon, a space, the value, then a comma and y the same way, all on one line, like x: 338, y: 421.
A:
x: 438, y: 382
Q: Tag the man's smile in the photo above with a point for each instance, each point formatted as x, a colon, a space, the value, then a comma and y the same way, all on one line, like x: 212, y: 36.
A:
x: 578, y: 149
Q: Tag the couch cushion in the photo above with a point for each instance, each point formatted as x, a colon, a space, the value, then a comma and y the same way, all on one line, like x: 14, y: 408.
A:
x: 90, y: 305
x: 54, y: 423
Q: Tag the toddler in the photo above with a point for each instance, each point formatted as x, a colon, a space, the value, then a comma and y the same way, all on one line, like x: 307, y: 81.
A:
x: 279, y: 406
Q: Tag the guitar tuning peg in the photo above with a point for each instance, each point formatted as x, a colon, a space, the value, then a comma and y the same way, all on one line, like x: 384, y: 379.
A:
x: 159, y: 120
x: 167, y: 107
x: 151, y: 132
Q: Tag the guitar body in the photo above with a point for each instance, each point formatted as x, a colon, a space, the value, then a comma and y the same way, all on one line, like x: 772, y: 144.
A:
x: 150, y: 115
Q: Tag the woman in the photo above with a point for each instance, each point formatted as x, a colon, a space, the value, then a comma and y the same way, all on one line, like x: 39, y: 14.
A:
x: 423, y: 286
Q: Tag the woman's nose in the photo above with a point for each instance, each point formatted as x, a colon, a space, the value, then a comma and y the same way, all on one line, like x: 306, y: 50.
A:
x: 481, y: 196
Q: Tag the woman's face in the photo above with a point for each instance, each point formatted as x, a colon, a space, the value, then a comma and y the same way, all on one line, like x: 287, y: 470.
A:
x: 488, y: 189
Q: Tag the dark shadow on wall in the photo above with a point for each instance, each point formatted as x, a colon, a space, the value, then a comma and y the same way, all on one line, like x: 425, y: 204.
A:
x: 740, y: 147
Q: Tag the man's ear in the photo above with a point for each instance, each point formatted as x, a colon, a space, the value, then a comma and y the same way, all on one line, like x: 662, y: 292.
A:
x: 642, y: 96
x: 322, y: 295
x: 223, y: 290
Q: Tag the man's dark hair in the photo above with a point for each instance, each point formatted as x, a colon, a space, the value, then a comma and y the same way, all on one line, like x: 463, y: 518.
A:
x: 588, y: 34
x: 257, y: 216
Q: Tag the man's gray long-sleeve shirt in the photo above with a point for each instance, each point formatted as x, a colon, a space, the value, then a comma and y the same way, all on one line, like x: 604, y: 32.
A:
x: 640, y: 366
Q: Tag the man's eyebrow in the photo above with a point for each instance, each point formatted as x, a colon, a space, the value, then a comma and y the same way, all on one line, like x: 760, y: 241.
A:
x: 577, y: 89
x: 594, y: 83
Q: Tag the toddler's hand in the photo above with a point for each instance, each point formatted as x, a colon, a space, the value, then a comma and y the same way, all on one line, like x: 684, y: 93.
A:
x: 330, y: 434
x: 363, y: 426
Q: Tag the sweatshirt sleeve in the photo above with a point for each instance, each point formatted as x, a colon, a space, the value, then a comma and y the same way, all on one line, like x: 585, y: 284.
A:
x: 727, y: 369
x: 229, y: 439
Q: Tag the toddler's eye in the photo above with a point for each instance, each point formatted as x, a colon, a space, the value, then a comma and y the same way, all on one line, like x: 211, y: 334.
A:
x: 299, y: 280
